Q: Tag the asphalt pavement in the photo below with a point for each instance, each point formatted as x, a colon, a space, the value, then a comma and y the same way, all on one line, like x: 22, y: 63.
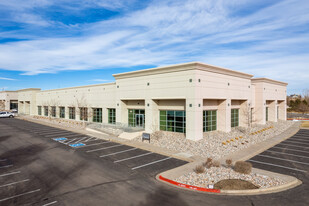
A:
x: 43, y: 165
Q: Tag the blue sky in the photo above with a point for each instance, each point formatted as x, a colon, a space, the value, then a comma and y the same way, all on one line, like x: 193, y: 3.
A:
x: 63, y: 43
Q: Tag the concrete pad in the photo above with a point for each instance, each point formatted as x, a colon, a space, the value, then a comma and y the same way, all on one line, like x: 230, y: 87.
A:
x: 130, y: 135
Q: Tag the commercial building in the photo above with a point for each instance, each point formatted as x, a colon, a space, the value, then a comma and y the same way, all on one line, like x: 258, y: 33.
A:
x: 8, y: 100
x: 191, y: 98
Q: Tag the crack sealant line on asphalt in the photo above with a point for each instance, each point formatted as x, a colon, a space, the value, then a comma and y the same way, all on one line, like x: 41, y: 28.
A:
x: 188, y: 186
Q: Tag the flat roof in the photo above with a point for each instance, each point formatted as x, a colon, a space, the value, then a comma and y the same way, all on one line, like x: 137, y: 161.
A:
x: 78, y: 87
x: 182, y: 67
x: 266, y: 80
x: 28, y: 89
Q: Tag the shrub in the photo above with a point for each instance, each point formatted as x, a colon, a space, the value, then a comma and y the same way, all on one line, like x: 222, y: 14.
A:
x: 229, y: 162
x: 216, y: 164
x: 199, y: 169
x: 208, y: 163
x: 243, y: 167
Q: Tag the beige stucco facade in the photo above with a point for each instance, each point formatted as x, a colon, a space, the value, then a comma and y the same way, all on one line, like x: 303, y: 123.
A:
x: 8, y: 100
x: 188, y: 89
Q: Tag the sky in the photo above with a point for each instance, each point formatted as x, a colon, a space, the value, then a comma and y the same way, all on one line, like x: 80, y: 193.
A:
x: 53, y: 44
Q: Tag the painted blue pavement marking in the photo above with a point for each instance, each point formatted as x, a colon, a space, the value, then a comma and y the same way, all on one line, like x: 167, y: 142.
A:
x: 77, y: 145
x: 60, y: 139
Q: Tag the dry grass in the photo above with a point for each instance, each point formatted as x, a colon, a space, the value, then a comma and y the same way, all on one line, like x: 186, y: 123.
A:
x: 199, y: 169
x: 234, y: 184
x: 243, y: 167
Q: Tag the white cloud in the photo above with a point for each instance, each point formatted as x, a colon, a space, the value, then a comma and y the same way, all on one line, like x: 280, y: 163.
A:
x: 271, y: 41
x: 9, y: 79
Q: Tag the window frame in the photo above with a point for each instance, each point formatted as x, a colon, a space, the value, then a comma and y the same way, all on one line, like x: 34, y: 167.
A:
x: 172, y: 120
x: 72, y: 113
x: 111, y: 115
x: 97, y: 115
x: 62, y: 112
x: 211, y: 123
x: 235, y: 117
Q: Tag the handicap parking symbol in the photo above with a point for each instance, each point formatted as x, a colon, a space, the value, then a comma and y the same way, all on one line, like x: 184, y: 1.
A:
x: 76, y: 145
x: 60, y: 139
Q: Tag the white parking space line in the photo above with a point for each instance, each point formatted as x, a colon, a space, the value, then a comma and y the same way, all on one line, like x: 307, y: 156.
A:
x: 26, y: 193
x: 293, y: 141
x: 103, y: 148
x: 11, y: 173
x: 290, y: 149
x: 51, y: 203
x: 151, y: 163
x: 265, y: 163
x: 14, y: 183
x: 299, y: 139
x: 287, y: 160
x: 62, y: 135
x: 3, y: 160
x: 88, y: 145
x: 287, y: 154
x: 119, y: 152
x: 293, y: 145
x: 6, y: 166
x: 301, y: 136
x: 90, y: 139
x: 68, y: 141
x: 50, y: 133
x: 80, y: 139
x: 129, y: 158
x: 93, y: 140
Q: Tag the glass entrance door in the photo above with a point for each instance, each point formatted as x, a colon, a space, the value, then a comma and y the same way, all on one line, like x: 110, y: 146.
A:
x: 139, y: 119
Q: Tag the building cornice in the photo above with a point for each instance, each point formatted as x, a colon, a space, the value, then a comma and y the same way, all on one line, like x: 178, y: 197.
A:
x: 182, y: 67
x: 80, y: 87
x: 29, y: 89
x: 270, y: 81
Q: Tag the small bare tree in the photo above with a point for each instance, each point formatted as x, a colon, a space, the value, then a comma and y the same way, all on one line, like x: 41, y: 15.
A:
x: 2, y: 105
x: 84, y: 109
x: 248, y: 113
x: 51, y: 104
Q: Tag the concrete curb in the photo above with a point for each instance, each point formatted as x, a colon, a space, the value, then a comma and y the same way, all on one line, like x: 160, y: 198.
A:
x: 292, y: 182
x: 241, y: 155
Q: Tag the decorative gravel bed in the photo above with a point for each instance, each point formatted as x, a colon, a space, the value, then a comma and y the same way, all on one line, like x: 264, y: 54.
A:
x: 212, y: 143
x: 215, y: 174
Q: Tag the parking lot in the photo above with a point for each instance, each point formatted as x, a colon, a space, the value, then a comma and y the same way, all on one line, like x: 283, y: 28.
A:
x: 288, y: 157
x: 42, y: 165
x: 137, y: 160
